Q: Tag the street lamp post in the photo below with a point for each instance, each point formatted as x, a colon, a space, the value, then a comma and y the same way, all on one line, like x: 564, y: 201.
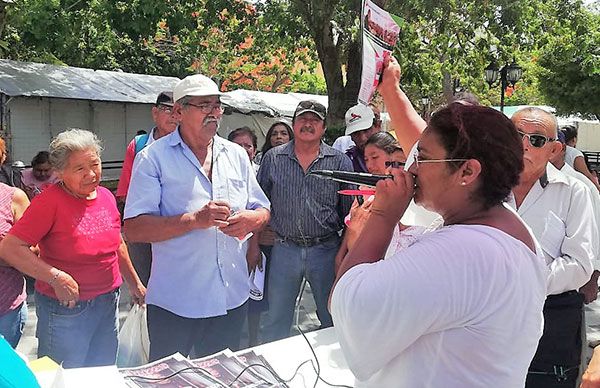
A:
x: 509, y: 75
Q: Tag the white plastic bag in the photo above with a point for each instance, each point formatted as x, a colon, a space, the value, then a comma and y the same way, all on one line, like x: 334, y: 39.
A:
x: 134, y: 343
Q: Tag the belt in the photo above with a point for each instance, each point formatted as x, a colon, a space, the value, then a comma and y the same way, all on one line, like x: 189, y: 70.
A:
x: 309, y: 241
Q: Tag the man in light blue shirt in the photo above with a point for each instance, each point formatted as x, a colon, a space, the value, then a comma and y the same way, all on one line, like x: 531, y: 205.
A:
x: 194, y: 196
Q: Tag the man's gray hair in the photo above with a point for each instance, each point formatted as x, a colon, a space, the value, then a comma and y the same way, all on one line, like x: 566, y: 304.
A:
x: 535, y: 111
x: 69, y: 141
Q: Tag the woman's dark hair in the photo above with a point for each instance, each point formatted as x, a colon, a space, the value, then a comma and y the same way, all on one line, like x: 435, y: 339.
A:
x: 243, y: 131
x: 384, y: 141
x: 570, y: 132
x: 41, y: 158
x: 485, y: 134
x: 267, y: 146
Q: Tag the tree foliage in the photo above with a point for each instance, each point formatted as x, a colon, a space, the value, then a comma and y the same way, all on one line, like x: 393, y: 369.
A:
x: 234, y: 41
x: 570, y: 63
x: 277, y: 45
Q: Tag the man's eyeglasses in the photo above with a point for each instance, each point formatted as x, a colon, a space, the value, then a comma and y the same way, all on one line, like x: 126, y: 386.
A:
x: 536, y: 140
x: 165, y: 108
x: 420, y: 160
x: 394, y: 164
x: 207, y: 107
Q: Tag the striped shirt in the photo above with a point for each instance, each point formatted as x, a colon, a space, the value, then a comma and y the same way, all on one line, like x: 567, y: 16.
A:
x: 303, y: 205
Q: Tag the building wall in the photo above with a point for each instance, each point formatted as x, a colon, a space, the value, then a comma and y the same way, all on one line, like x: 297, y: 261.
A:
x: 588, y: 135
x: 33, y: 122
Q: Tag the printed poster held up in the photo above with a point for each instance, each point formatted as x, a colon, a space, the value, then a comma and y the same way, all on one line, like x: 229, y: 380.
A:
x: 380, y: 31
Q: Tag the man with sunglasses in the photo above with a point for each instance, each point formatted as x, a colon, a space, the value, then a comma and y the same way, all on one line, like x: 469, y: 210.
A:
x: 558, y: 210
x: 195, y: 197
x: 307, y: 216
x: 162, y: 115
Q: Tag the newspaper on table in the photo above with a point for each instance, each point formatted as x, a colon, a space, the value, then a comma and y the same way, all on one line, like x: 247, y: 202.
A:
x: 174, y: 371
x: 229, y: 367
x: 223, y: 369
x: 380, y: 31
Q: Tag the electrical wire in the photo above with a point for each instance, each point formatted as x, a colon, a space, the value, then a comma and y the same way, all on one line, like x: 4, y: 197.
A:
x: 278, y: 378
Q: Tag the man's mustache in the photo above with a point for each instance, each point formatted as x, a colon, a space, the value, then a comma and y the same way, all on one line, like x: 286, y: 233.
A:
x: 307, y: 129
x: 208, y: 120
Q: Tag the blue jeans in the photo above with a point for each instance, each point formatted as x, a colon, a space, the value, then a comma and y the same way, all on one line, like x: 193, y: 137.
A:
x: 290, y: 263
x: 83, y: 336
x: 12, y: 324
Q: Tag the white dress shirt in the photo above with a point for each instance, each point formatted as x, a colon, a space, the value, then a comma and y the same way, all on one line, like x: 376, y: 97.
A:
x: 595, y: 196
x: 558, y: 210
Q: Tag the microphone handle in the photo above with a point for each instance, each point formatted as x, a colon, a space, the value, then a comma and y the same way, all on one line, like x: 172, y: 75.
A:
x: 355, y: 178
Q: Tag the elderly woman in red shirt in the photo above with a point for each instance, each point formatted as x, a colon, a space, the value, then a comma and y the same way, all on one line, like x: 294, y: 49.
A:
x: 82, y: 256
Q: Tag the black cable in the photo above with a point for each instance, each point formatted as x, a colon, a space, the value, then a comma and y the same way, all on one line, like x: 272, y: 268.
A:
x: 317, y: 369
x: 188, y: 369
x: 279, y: 379
x: 275, y: 375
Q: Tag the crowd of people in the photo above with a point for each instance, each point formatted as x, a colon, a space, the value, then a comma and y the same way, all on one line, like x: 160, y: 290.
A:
x: 490, y: 294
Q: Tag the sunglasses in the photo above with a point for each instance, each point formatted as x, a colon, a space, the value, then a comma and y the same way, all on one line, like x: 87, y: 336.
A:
x: 311, y: 105
x: 394, y: 164
x: 536, y: 140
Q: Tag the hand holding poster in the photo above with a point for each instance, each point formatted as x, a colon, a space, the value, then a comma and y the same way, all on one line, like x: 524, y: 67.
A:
x: 379, y: 35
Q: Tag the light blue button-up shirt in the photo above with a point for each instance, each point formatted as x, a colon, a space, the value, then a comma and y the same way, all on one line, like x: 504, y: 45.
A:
x: 202, y: 273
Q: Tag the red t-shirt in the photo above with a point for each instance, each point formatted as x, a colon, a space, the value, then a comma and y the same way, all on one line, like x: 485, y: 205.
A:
x: 78, y: 236
x: 125, y: 177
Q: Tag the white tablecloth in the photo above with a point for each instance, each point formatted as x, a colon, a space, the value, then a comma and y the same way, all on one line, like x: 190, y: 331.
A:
x: 284, y: 356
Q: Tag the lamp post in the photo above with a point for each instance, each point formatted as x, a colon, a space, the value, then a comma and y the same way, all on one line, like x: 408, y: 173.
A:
x: 509, y: 75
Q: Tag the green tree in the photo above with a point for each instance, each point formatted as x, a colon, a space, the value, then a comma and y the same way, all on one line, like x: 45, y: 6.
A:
x: 570, y: 63
x: 241, y: 44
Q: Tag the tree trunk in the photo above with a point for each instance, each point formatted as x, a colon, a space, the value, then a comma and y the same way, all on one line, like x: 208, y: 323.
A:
x: 332, y: 69
x: 447, y: 87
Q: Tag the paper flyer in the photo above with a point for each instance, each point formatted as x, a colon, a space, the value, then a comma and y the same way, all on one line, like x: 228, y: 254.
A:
x: 174, y: 371
x: 380, y: 31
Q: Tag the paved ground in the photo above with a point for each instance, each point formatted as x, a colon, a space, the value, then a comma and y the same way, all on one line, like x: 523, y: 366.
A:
x: 307, y: 320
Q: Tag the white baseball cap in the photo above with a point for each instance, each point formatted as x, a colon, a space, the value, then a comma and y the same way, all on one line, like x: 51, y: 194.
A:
x: 195, y: 85
x: 358, y: 118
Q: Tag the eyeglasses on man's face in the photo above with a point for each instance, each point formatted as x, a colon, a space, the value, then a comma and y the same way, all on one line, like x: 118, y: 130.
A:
x: 166, y: 109
x: 535, y: 139
x: 207, y: 107
x: 420, y: 160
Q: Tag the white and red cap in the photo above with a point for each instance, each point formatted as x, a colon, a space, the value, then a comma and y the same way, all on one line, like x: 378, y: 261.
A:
x: 358, y: 118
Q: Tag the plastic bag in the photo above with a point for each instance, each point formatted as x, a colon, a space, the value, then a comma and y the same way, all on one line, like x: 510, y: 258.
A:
x: 134, y: 343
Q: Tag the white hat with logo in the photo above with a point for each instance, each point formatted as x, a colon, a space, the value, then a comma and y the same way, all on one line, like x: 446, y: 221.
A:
x: 358, y: 118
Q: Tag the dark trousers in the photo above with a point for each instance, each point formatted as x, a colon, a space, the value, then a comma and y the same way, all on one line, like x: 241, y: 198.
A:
x: 141, y: 258
x: 170, y: 333
x: 556, y: 361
